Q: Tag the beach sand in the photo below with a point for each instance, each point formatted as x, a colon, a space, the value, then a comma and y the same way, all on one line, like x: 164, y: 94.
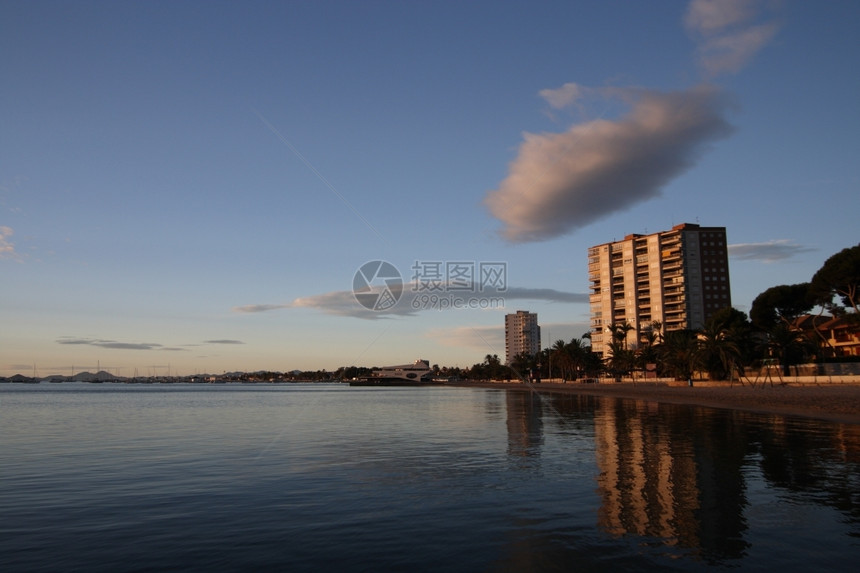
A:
x: 831, y: 402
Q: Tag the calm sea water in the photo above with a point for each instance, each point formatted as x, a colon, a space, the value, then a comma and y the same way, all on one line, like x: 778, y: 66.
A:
x: 105, y: 477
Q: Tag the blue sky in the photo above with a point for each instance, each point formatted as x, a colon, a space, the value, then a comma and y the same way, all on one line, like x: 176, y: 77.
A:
x: 194, y: 185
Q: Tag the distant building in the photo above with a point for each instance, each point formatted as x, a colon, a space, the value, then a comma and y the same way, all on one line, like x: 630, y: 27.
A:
x: 676, y: 278
x: 522, y: 334
x: 835, y: 336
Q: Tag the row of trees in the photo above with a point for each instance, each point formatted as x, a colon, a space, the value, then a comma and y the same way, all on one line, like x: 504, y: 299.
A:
x: 833, y: 289
x: 569, y: 360
x: 679, y: 354
x: 728, y: 344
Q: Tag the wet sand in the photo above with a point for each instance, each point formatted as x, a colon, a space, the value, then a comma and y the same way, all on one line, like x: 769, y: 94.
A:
x: 832, y: 402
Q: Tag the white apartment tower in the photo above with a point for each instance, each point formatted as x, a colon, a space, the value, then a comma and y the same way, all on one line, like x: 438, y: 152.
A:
x: 678, y: 278
x: 522, y: 334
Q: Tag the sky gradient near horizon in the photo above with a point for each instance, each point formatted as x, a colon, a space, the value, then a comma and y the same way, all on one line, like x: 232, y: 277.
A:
x: 194, y: 185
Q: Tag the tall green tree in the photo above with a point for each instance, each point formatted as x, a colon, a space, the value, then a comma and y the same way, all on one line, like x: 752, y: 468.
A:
x: 781, y: 304
x: 839, y: 277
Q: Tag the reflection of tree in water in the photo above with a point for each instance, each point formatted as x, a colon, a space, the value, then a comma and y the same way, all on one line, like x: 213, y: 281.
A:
x: 676, y: 473
x: 812, y: 459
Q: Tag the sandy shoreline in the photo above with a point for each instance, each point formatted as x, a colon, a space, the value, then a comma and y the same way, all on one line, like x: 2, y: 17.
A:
x: 835, y: 402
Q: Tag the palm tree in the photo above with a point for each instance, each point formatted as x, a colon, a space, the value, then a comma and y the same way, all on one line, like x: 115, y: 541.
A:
x: 656, y: 327
x: 649, y: 340
x: 577, y: 350
x: 619, y: 332
x: 717, y: 351
x: 680, y: 354
x: 522, y: 364
x: 493, y: 367
x: 560, y: 357
x: 621, y: 360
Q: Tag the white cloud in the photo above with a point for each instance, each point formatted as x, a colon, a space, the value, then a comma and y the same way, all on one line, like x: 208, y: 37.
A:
x: 712, y: 16
x: 727, y: 33
x: 7, y: 247
x: 767, y: 252
x: 564, y: 96
x: 729, y: 53
x: 561, y: 182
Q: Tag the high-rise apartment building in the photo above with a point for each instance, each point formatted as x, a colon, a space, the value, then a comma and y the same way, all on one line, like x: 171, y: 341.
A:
x: 522, y: 334
x: 676, y: 278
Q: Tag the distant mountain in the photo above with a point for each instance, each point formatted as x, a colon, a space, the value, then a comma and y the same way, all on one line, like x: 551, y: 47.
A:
x: 100, y: 376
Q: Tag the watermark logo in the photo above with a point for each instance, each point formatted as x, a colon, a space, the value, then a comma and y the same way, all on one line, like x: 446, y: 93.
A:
x: 434, y: 285
x: 377, y: 285
x: 459, y: 276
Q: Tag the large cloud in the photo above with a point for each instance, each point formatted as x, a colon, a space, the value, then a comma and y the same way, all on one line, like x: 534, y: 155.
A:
x: 561, y: 182
x: 727, y: 33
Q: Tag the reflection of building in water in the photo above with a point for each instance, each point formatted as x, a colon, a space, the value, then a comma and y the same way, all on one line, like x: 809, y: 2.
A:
x: 659, y: 479
x: 677, y: 473
x: 646, y: 489
x: 525, y: 428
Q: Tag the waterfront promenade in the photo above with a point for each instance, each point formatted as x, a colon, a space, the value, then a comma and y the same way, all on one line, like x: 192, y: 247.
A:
x: 835, y: 402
